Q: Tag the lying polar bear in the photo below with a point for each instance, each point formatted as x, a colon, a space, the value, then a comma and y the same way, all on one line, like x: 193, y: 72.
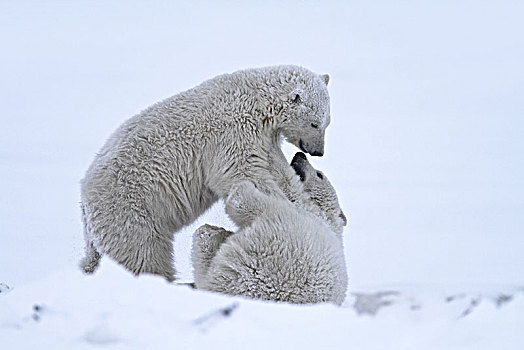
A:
x: 282, y: 251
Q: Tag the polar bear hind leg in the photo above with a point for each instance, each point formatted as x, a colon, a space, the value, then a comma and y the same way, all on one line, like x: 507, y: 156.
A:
x: 151, y: 254
x: 90, y: 261
x: 158, y: 258
x: 206, y: 242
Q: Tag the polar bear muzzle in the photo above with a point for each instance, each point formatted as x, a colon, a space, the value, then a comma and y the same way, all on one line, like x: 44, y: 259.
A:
x: 317, y: 151
x: 299, y: 163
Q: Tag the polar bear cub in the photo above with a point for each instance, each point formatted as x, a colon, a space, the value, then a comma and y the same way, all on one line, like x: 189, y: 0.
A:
x: 282, y: 251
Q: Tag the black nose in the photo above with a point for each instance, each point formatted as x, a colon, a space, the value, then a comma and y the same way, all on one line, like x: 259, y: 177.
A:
x: 300, y: 155
x: 298, y: 164
x: 317, y: 154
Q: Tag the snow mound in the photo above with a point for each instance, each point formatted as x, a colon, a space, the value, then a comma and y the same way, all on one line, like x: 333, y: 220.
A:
x: 113, y: 309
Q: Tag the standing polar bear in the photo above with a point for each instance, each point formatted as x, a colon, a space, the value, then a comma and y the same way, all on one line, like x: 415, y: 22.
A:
x: 282, y: 251
x: 164, y: 167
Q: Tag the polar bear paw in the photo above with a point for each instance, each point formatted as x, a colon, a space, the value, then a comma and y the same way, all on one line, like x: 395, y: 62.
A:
x: 244, y: 203
x: 207, y: 239
x: 239, y: 192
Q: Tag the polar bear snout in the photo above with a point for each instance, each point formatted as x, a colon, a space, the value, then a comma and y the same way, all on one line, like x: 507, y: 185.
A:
x: 299, y: 156
x: 315, y: 150
x: 299, y: 163
x: 317, y: 153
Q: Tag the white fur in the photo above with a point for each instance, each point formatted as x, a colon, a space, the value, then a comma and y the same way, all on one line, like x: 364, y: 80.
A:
x: 164, y: 167
x: 281, y: 252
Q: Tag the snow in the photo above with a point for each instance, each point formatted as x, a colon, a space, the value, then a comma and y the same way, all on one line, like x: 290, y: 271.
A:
x: 116, y: 310
x: 425, y: 150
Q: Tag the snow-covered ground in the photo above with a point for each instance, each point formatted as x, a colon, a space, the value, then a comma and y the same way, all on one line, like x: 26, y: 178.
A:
x: 118, y: 311
x: 425, y: 149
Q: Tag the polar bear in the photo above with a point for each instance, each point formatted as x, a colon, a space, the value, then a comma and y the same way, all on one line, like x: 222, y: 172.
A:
x: 164, y: 167
x: 282, y: 251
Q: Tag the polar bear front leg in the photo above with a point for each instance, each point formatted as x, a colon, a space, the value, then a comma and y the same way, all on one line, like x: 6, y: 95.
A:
x: 245, y: 203
x: 285, y: 177
x: 206, y: 242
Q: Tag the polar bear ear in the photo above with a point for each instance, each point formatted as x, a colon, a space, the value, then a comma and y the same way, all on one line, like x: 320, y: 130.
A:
x: 325, y: 78
x: 297, y: 96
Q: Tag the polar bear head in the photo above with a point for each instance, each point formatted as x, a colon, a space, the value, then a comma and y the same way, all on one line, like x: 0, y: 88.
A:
x: 320, y: 191
x: 306, y: 112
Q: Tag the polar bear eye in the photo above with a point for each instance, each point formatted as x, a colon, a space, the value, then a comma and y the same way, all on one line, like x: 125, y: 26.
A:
x: 315, y: 126
x: 296, y: 98
x: 320, y: 176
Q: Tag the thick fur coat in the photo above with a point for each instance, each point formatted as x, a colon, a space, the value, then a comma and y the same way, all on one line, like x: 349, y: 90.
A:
x: 164, y: 167
x: 282, y: 252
